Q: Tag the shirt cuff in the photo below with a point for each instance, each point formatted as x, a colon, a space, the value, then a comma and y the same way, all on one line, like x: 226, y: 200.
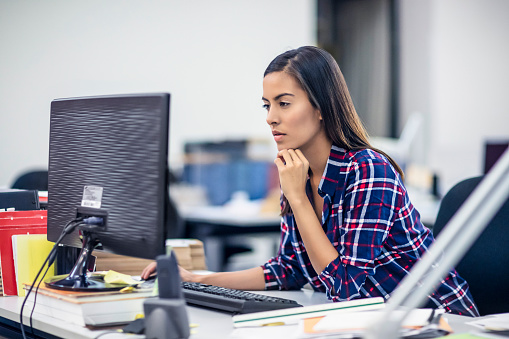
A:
x: 342, y: 282
x: 271, y: 282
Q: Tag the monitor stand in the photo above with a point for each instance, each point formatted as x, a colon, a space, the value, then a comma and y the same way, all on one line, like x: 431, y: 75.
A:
x: 77, y: 280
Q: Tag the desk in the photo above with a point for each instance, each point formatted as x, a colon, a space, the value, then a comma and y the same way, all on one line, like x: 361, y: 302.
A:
x: 211, y: 325
x: 219, y: 226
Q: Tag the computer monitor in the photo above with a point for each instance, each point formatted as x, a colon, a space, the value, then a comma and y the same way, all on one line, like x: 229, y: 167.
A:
x: 109, y: 154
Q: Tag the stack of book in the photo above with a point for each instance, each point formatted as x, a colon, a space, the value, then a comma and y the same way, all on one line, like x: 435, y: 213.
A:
x: 88, y: 308
x: 189, y: 252
x: 197, y: 255
x: 106, y: 261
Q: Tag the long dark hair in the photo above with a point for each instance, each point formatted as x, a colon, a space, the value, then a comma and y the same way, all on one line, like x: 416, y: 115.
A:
x: 319, y: 75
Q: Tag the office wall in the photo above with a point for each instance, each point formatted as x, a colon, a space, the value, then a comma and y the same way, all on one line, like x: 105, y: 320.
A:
x: 455, y: 71
x: 210, y: 55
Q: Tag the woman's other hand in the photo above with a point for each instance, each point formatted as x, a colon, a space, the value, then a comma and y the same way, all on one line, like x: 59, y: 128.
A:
x: 293, y: 170
x: 149, y: 270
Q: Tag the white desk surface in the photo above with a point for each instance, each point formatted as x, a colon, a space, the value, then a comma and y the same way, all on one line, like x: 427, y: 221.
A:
x: 211, y: 324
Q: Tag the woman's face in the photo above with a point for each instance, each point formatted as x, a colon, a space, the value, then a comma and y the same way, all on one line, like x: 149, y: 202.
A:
x: 294, y: 122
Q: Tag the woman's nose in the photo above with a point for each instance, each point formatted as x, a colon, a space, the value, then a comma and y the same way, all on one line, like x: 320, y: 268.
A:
x: 272, y: 117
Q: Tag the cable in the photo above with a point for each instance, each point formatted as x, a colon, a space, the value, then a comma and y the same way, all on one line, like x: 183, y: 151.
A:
x: 108, y: 332
x: 35, y: 298
x: 53, y: 250
x: 68, y: 228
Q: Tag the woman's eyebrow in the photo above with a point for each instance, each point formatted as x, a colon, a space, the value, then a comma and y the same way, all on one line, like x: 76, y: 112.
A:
x: 279, y: 96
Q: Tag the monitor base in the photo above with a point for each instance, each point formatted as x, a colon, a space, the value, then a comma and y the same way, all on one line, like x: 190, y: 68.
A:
x: 90, y: 284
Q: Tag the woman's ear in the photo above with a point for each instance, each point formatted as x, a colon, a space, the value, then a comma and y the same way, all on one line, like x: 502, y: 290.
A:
x: 319, y: 114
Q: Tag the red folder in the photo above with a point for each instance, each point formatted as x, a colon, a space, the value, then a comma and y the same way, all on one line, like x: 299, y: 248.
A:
x: 11, y: 223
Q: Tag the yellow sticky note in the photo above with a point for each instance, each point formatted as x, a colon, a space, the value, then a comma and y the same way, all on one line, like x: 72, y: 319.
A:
x: 113, y: 277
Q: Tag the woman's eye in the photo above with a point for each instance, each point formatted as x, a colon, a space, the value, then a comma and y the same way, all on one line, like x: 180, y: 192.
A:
x: 265, y: 106
x: 284, y: 104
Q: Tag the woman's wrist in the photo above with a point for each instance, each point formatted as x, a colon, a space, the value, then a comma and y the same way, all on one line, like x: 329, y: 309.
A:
x: 298, y: 201
x: 200, y: 278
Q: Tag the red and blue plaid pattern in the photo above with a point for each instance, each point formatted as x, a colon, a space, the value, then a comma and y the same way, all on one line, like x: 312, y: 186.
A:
x: 367, y: 215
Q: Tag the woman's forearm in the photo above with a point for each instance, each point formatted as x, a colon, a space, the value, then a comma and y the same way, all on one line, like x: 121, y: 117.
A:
x: 318, y: 246
x: 250, y: 279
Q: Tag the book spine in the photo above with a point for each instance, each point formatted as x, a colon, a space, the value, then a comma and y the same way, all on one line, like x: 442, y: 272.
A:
x: 88, y: 313
x: 57, y: 313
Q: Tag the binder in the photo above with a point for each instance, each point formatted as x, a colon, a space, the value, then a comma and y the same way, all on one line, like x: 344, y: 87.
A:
x: 30, y: 251
x: 13, y: 223
x: 23, y: 218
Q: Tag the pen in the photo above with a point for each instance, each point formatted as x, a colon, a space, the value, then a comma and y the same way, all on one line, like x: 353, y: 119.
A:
x: 278, y: 323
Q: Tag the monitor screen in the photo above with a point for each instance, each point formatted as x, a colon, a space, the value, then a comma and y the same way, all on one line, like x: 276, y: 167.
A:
x: 111, y: 152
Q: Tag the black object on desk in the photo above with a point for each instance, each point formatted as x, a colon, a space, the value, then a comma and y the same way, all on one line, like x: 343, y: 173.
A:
x: 136, y: 327
x: 166, y: 316
x: 20, y: 200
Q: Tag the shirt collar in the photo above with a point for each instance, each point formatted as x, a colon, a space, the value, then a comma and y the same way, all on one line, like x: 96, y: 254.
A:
x: 337, y: 160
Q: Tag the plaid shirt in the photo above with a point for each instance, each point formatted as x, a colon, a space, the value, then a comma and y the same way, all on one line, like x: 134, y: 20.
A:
x: 369, y: 219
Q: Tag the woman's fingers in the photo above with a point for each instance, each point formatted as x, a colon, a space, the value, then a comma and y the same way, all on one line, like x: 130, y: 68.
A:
x: 301, y: 156
x: 297, y: 156
x: 285, y: 156
x: 293, y: 169
x: 147, y: 271
x: 185, y: 275
x: 279, y: 163
x: 291, y: 156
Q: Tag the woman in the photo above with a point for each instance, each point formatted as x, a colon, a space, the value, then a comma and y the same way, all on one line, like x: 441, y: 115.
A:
x: 348, y: 226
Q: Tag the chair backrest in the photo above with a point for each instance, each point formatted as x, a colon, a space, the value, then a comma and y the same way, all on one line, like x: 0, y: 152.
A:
x: 33, y: 180
x: 485, y: 266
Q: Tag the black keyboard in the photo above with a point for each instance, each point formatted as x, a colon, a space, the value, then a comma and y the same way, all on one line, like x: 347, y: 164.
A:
x: 231, y: 300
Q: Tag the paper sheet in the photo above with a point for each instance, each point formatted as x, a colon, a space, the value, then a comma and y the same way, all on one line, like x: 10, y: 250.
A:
x: 495, y: 322
x: 362, y: 320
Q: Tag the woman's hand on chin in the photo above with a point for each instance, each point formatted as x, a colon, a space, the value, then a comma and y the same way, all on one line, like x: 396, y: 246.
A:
x: 293, y: 170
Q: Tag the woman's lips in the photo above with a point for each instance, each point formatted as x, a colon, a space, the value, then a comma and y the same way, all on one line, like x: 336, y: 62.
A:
x: 278, y: 136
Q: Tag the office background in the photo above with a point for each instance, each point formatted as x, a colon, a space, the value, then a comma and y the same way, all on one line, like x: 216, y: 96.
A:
x: 210, y: 55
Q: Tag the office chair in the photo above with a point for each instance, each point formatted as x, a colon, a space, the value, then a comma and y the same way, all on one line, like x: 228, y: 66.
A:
x: 485, y: 265
x: 33, y: 180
